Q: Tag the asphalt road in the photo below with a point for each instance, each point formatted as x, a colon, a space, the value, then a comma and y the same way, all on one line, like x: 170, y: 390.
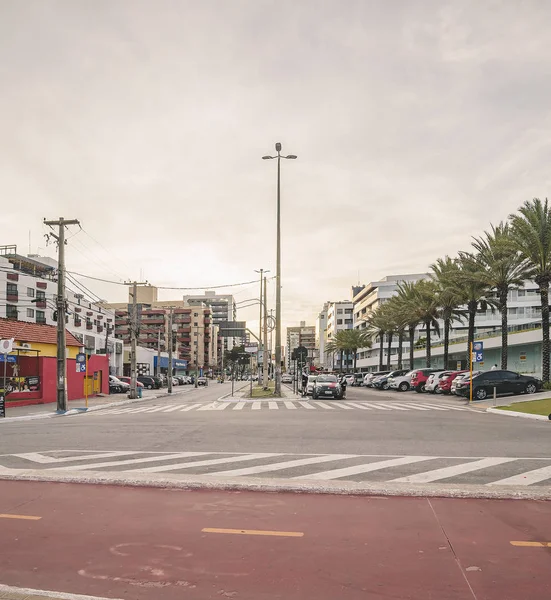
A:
x: 372, y: 436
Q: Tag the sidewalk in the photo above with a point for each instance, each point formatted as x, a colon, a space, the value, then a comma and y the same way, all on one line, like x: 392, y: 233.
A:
x: 14, y: 593
x: 37, y: 411
x: 507, y: 400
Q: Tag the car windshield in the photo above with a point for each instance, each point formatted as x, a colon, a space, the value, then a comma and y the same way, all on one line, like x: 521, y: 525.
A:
x: 311, y: 378
x: 326, y: 378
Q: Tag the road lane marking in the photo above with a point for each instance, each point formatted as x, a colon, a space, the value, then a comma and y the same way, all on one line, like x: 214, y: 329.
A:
x: 288, y: 464
x: 323, y: 405
x: 446, y: 407
x: 191, y: 407
x: 532, y: 544
x: 380, y: 407
x: 356, y: 405
x: 413, y: 406
x: 273, y: 405
x: 256, y: 405
x: 30, y: 593
x: 203, y: 463
x: 239, y: 406
x: 24, y: 517
x: 289, y: 405
x: 342, y: 405
x: 526, y: 478
x: 307, y: 405
x: 178, y: 406
x: 41, y: 458
x: 253, y: 532
x: 453, y: 471
x: 131, y: 461
x: 427, y: 406
x: 365, y: 468
x: 390, y: 407
x: 221, y: 406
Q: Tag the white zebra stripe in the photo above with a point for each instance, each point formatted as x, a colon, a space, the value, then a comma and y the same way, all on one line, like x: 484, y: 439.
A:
x: 455, y: 470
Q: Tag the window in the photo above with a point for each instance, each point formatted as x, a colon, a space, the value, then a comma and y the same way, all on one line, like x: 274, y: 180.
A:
x: 11, y: 289
x: 195, y: 343
x: 11, y: 311
x: 30, y: 292
x: 40, y: 316
x: 195, y: 314
x: 347, y: 311
x: 196, y: 325
x: 339, y: 321
x: 30, y: 311
x: 521, y: 293
x: 348, y: 321
x: 339, y: 311
x: 41, y: 296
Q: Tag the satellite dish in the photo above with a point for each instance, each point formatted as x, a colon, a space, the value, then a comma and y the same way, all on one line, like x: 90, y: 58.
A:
x: 6, y: 346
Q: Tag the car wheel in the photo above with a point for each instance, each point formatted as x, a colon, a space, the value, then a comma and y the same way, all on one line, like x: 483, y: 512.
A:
x: 420, y: 388
x: 531, y: 388
x: 438, y: 391
x: 480, y: 394
x: 384, y: 386
x: 149, y: 387
x: 404, y: 386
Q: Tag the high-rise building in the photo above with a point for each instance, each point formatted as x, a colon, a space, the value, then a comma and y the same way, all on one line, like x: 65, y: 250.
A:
x: 303, y: 335
x: 339, y: 316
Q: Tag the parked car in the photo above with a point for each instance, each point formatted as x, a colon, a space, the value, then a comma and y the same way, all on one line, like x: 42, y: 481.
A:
x: 326, y: 386
x: 350, y: 379
x: 445, y: 382
x: 181, y: 379
x: 128, y: 380
x: 434, y: 379
x: 148, y: 382
x: 175, y: 381
x: 368, y: 377
x: 504, y: 382
x: 116, y: 386
x: 401, y: 383
x: 382, y: 381
x: 309, y: 385
x: 419, y: 379
x: 286, y: 378
x: 459, y: 378
x: 202, y: 381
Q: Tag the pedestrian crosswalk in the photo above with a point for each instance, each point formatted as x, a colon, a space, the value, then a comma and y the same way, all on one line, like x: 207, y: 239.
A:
x: 399, y: 469
x: 273, y: 405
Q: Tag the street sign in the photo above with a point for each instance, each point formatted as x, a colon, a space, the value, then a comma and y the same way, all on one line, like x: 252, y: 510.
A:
x: 251, y: 348
x: 478, y: 346
x: 81, y: 363
x: 478, y: 357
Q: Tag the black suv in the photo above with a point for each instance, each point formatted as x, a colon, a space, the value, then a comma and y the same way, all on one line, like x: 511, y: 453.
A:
x: 151, y: 383
x: 504, y: 382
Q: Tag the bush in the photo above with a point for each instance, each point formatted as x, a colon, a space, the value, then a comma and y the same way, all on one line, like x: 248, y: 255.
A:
x: 547, y: 386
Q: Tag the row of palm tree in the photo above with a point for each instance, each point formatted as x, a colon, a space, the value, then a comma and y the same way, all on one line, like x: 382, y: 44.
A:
x: 347, y: 342
x: 480, y: 279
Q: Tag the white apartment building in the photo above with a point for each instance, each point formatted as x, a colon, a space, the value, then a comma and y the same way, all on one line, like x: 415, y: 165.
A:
x: 303, y: 335
x: 28, y: 290
x: 339, y: 316
x: 524, y: 312
x: 223, y: 310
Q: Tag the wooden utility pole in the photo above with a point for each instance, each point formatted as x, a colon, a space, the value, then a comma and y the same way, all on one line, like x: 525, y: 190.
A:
x: 61, y: 223
x: 170, y: 351
x: 107, y: 346
x: 265, y: 343
x: 134, y: 338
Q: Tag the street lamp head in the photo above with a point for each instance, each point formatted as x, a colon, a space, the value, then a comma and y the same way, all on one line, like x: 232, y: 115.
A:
x: 291, y: 156
x: 278, y: 146
x: 266, y: 157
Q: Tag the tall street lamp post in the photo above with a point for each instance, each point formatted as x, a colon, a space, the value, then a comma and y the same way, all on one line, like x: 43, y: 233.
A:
x: 277, y: 373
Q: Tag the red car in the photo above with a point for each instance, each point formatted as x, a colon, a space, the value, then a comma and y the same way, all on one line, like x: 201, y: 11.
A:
x: 419, y: 378
x: 128, y: 380
x: 446, y: 382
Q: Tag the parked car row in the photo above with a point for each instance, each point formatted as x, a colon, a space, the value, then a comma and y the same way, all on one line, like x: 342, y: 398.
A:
x: 455, y: 382
x: 121, y: 384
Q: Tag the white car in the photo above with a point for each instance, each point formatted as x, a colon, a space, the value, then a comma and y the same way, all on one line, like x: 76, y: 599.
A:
x: 350, y: 379
x: 286, y: 378
x: 369, y: 377
x: 310, y: 385
x: 402, y: 383
x: 434, y: 379
x: 175, y: 381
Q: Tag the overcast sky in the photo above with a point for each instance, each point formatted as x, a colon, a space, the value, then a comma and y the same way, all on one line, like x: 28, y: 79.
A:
x: 416, y: 124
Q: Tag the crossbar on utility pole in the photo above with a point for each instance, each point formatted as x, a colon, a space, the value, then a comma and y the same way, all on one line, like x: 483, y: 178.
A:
x: 61, y: 223
x: 134, y: 338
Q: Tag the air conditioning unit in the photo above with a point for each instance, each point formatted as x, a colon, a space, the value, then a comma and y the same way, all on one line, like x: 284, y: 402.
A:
x: 25, y: 346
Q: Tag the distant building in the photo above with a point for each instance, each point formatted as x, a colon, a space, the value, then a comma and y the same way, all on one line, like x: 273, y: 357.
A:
x: 321, y: 336
x: 339, y: 317
x: 29, y: 288
x: 303, y: 335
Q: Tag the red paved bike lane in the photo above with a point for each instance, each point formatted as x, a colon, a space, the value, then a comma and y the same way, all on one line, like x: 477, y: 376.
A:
x: 150, y: 544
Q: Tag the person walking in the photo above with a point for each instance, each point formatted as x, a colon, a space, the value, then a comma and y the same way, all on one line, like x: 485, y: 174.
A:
x: 494, y: 368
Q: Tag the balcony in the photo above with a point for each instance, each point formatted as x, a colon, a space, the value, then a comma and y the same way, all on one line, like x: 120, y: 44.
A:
x: 181, y: 320
x: 100, y: 328
x: 12, y: 297
x: 41, y: 304
x: 89, y: 326
x: 186, y: 340
x: 78, y: 322
x: 41, y: 320
x: 152, y: 321
x: 184, y: 329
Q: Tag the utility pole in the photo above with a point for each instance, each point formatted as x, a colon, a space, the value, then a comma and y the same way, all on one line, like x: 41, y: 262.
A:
x: 134, y: 338
x: 196, y: 355
x: 60, y: 303
x: 265, y: 343
x: 158, y: 353
x: 106, y: 346
x: 169, y: 351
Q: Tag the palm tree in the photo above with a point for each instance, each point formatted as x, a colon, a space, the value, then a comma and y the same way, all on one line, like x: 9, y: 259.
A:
x: 406, y: 303
x: 450, y: 296
x: 349, y: 340
x: 502, y: 267
x: 531, y: 235
x: 377, y: 327
x: 426, y: 309
x: 399, y: 314
x: 474, y: 289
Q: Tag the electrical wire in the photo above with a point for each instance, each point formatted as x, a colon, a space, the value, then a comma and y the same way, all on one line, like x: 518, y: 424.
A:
x: 103, y: 247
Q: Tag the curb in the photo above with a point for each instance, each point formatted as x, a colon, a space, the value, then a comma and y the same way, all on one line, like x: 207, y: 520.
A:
x: 8, y: 592
x: 229, y: 393
x: 250, y: 484
x: 514, y: 413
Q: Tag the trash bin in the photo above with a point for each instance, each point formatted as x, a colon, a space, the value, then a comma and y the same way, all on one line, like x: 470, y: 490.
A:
x: 139, y: 390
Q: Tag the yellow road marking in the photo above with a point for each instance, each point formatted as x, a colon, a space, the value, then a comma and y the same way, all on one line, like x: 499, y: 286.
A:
x: 26, y: 517
x: 532, y: 544
x: 253, y: 532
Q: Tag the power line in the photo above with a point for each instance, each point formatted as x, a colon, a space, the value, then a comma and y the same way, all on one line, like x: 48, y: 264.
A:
x: 104, y: 248
x: 84, y: 289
